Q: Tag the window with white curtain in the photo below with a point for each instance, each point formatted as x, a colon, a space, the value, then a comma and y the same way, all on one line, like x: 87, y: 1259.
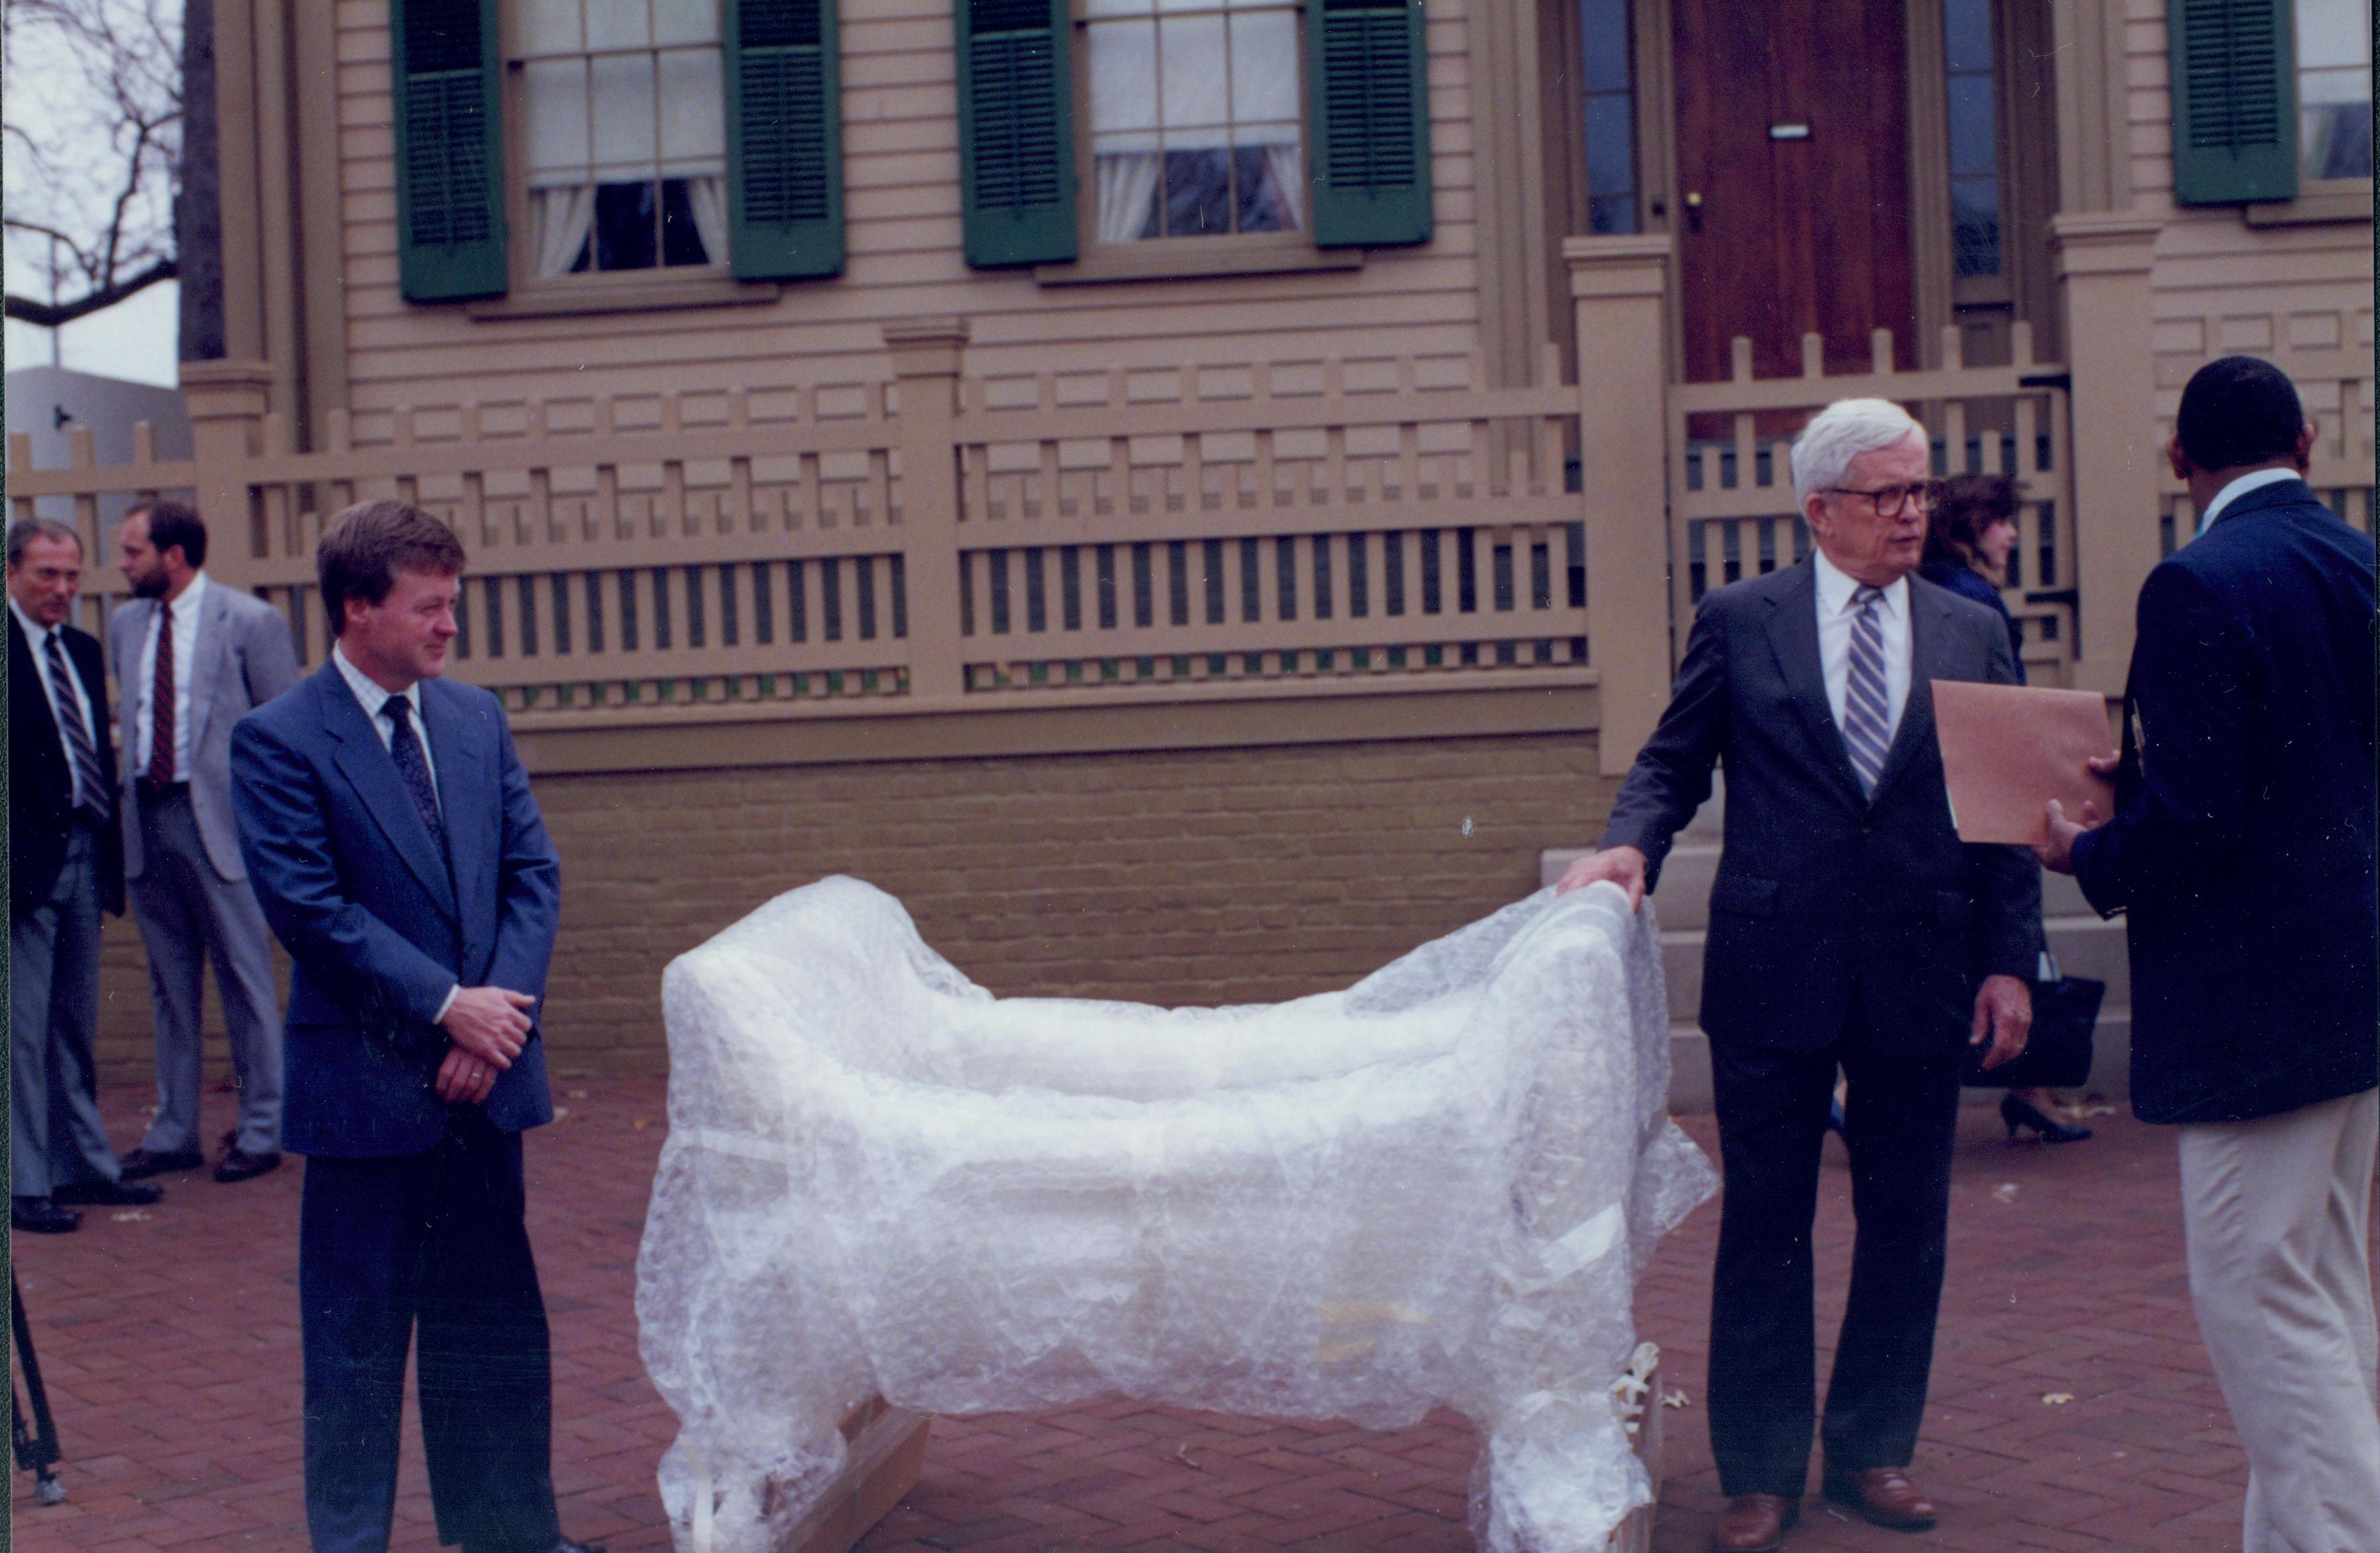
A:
x: 1195, y: 124
x: 625, y: 155
x: 2334, y: 40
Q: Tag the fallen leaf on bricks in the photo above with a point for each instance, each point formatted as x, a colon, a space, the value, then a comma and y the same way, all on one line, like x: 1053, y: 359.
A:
x: 1182, y: 1454
x: 1676, y: 1399
x: 131, y: 1216
x: 561, y: 1112
x: 2005, y: 1192
x: 639, y: 1125
x: 2057, y: 1399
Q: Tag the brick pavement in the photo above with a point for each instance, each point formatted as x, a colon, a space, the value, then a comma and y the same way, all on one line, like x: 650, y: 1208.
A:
x: 170, y: 1342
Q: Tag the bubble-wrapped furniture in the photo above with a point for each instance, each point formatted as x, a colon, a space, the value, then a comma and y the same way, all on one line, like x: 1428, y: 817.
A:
x: 1436, y: 1188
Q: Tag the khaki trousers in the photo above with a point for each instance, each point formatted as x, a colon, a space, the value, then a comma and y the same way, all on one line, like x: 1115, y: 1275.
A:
x: 2277, y: 1213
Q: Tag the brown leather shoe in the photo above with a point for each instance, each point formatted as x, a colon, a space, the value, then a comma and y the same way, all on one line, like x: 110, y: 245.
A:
x: 240, y: 1165
x: 1754, y: 1523
x: 1884, y: 1496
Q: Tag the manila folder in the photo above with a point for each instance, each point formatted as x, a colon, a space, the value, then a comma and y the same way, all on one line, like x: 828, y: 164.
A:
x: 2007, y: 749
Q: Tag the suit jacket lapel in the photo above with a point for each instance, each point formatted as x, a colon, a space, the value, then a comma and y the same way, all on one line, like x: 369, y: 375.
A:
x: 1793, y: 636
x: 457, y: 753
x: 366, y: 764
x: 1929, y: 641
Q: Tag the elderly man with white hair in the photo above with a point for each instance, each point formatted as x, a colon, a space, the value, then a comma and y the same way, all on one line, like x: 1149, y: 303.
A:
x: 1851, y: 927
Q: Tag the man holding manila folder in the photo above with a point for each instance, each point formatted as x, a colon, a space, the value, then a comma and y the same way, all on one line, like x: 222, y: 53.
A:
x: 2241, y: 841
x: 1851, y: 927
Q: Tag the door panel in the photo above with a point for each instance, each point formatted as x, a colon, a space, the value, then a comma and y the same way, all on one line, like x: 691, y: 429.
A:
x: 1780, y: 237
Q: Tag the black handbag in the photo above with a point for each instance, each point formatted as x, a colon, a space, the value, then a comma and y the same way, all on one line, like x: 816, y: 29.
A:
x: 2057, y: 1054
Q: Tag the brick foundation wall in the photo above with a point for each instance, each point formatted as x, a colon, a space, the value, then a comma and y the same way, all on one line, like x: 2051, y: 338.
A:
x: 1215, y: 875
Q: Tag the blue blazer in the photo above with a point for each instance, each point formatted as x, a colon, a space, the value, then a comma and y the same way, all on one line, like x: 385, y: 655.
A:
x: 355, y: 886
x: 2242, y: 843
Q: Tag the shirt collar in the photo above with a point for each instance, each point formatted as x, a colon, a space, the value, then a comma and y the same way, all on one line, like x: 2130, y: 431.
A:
x: 190, y: 596
x: 1837, y: 586
x: 2239, y: 488
x: 36, y: 634
x: 369, y: 694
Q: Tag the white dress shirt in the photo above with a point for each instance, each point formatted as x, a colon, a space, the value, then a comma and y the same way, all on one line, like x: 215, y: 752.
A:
x: 372, y: 698
x: 184, y: 611
x: 37, y: 638
x: 1835, y: 613
x: 2240, y: 488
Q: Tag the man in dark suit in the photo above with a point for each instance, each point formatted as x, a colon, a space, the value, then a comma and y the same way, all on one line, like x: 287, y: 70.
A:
x: 2243, y: 848
x: 65, y: 865
x: 390, y: 835
x: 1849, y: 926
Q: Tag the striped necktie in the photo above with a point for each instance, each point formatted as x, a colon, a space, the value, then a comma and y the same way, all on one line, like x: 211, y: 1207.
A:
x: 1866, y: 712
x: 90, y: 789
x: 163, y: 692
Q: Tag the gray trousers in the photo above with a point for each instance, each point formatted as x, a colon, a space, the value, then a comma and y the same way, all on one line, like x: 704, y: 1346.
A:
x: 55, y: 1136
x: 2278, y: 1214
x: 190, y: 915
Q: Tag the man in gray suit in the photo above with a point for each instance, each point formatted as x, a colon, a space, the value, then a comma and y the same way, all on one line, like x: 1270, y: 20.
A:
x: 192, y: 658
x: 1849, y: 928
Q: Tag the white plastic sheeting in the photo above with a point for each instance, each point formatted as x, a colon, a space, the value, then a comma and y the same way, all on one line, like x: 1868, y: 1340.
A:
x: 1437, y: 1187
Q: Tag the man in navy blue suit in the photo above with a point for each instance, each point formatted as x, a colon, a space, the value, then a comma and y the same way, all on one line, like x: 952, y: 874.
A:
x: 388, y: 829
x: 2242, y: 848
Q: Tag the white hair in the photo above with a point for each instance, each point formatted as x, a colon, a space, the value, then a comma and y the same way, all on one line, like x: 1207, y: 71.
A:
x: 1840, y: 432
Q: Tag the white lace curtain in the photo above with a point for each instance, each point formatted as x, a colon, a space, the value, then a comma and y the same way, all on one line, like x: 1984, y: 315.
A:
x: 561, y: 217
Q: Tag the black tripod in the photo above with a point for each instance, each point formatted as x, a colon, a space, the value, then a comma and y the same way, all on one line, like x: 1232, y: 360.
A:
x: 37, y: 1452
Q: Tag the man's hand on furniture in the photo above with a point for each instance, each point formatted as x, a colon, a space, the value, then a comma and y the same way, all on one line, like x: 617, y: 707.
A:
x: 463, y: 1079
x: 1622, y: 866
x: 2004, y: 1015
x: 489, y: 1022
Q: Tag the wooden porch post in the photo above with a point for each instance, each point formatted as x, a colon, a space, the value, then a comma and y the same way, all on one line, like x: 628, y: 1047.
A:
x: 226, y: 401
x: 1619, y: 290
x: 925, y: 355
x: 2103, y: 277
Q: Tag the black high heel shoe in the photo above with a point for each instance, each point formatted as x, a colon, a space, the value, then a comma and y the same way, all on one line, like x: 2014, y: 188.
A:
x: 2017, y: 1113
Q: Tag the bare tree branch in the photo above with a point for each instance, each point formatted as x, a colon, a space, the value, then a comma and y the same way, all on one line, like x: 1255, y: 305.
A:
x: 49, y: 315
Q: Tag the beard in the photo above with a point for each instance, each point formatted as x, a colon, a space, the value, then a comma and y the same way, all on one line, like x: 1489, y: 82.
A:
x: 150, y: 584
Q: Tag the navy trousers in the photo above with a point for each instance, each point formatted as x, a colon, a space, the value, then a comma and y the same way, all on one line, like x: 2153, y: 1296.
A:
x: 435, y: 1240
x: 1900, y: 1121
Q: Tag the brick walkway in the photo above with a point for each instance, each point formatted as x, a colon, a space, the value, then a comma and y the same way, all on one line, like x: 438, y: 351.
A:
x: 170, y: 1341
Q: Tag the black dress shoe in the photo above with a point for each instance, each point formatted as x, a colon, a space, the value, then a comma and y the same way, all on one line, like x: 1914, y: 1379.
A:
x: 2017, y: 1113
x: 40, y: 1216
x: 240, y: 1165
x: 109, y: 1193
x: 142, y: 1163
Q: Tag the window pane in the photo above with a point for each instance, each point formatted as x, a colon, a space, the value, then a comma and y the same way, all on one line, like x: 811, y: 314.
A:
x: 625, y: 121
x: 551, y: 27
x: 1603, y: 45
x: 615, y: 24
x: 624, y: 227
x: 2332, y: 32
x: 1610, y: 151
x: 681, y: 233
x: 1608, y: 214
x: 1262, y: 205
x: 1124, y: 83
x: 686, y: 22
x: 1120, y: 7
x: 553, y: 96
x: 1974, y: 148
x: 1975, y: 226
x: 1191, y: 82
x: 693, y: 112
x: 1967, y: 35
x: 1263, y: 66
x: 1198, y: 193
x: 2337, y: 138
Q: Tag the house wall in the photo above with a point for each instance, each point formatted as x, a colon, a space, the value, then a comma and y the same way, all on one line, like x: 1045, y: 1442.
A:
x: 1198, y: 876
x: 901, y: 173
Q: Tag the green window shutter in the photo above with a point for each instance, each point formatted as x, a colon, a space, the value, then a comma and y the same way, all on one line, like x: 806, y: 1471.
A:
x: 1016, y: 131
x: 2235, y: 111
x: 1371, y: 96
x: 450, y: 193
x: 784, y: 140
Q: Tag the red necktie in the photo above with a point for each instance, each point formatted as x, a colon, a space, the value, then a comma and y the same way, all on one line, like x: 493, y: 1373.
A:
x: 161, y: 701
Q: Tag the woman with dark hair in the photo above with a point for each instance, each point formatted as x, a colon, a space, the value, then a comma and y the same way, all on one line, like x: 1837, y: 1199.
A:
x: 1968, y: 538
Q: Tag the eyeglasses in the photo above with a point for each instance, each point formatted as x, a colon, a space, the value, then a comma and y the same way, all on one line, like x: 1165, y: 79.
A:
x: 1890, y: 499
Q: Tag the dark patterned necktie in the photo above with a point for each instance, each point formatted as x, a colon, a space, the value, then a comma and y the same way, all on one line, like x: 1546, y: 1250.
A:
x: 90, y: 789
x: 161, y: 701
x: 413, y: 766
x: 1865, y: 710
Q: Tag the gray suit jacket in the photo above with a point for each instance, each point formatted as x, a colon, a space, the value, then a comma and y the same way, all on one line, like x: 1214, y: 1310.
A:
x: 1830, y: 904
x: 244, y: 659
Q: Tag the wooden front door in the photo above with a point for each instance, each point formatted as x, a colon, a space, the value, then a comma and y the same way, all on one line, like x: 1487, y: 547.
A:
x: 1793, y: 180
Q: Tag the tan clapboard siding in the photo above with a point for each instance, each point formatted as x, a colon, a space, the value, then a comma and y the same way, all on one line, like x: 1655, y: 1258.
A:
x: 902, y: 201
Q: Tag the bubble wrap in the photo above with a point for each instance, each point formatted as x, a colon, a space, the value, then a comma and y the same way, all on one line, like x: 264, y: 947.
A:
x: 1437, y: 1187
